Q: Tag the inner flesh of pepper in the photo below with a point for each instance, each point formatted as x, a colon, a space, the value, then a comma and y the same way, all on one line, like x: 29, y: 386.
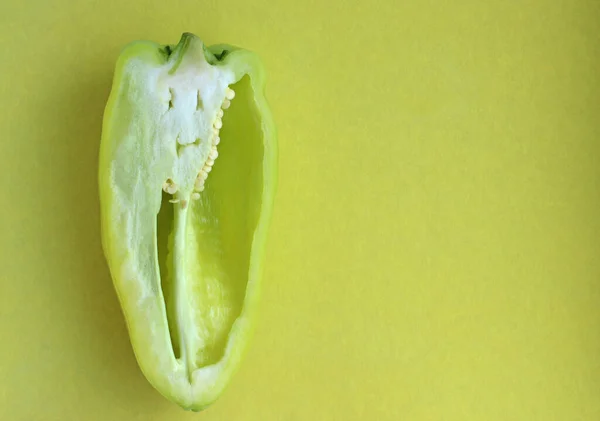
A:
x: 188, y: 342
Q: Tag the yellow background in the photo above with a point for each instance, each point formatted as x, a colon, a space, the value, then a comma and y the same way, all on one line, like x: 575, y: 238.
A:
x: 435, y: 248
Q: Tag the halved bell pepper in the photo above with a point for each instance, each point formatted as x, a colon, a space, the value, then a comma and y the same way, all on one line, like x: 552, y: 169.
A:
x: 187, y: 177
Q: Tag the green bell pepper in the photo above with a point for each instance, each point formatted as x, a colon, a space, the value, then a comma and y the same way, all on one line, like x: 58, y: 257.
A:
x: 187, y: 177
